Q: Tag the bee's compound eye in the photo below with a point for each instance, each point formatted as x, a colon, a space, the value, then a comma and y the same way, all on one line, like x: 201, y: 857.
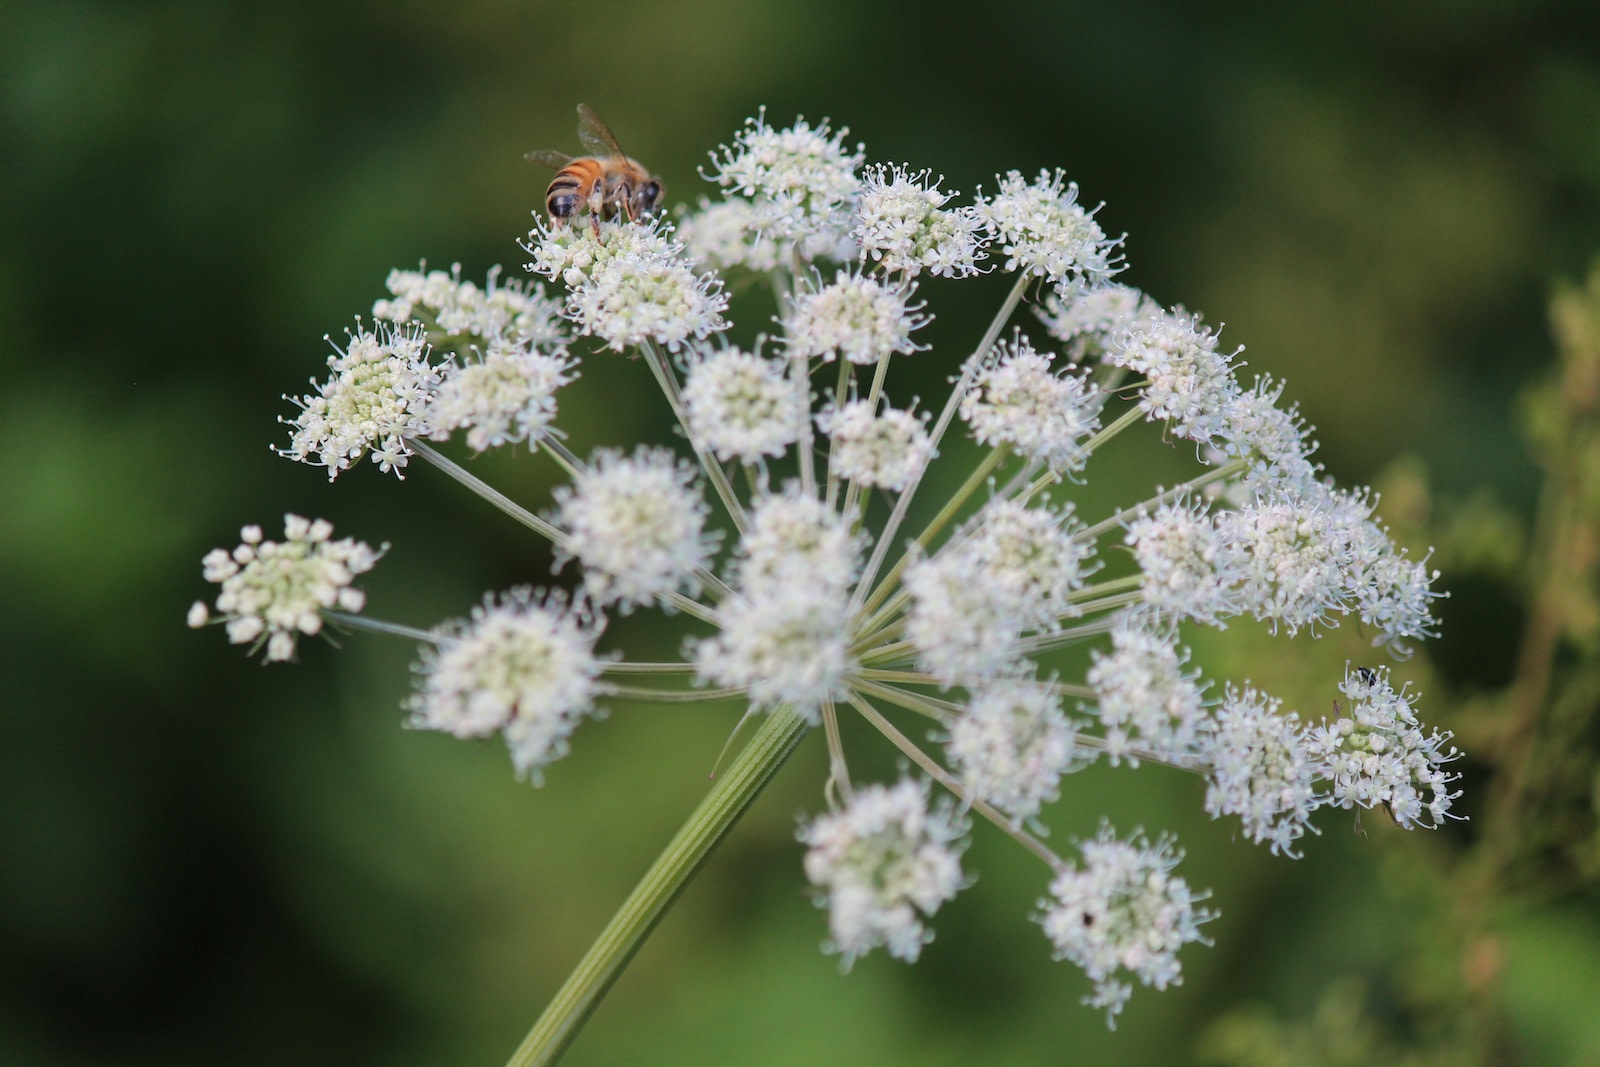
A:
x: 648, y: 197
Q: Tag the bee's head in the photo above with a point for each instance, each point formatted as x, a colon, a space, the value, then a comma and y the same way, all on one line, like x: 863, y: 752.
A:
x: 647, y: 198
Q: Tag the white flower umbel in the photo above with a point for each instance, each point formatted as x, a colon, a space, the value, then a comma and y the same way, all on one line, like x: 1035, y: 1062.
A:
x: 1123, y: 913
x: 856, y: 317
x: 1188, y: 384
x: 637, y: 524
x: 501, y: 395
x: 886, y: 449
x: 1188, y: 570
x: 741, y: 405
x: 734, y: 235
x: 659, y: 300
x: 1011, y: 746
x: 783, y: 644
x: 274, y: 591
x: 1381, y: 585
x: 794, y: 537
x: 801, y: 181
x: 1294, y: 562
x: 375, y: 402
x: 455, y: 307
x: 1037, y: 555
x: 785, y: 634
x: 962, y: 625
x: 726, y: 235
x: 1044, y: 232
x: 1091, y: 319
x: 883, y: 864
x: 1018, y: 399
x: 1147, y: 702
x: 524, y: 667
x: 1377, y: 753
x: 1260, y: 768
x: 828, y: 555
x: 1273, y: 441
x: 1395, y: 595
x: 575, y: 255
x: 630, y: 284
x: 902, y: 225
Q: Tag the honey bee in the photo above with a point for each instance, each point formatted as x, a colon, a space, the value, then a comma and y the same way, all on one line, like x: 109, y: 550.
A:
x: 606, y: 182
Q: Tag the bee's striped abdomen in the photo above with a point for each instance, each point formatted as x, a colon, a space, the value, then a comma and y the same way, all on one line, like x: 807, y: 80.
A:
x: 571, y: 187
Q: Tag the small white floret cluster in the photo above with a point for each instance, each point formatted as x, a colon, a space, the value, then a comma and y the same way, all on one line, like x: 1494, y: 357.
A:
x: 1123, y: 913
x: 523, y: 666
x: 374, y: 403
x: 881, y: 865
x: 1018, y: 399
x: 785, y: 634
x: 637, y: 524
x: 1379, y: 753
x: 274, y: 591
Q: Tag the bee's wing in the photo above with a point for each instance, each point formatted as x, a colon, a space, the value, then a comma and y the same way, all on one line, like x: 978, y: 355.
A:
x: 546, y: 158
x: 596, y: 136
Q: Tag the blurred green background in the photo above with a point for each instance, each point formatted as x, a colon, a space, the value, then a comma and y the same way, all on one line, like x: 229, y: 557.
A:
x: 209, y: 861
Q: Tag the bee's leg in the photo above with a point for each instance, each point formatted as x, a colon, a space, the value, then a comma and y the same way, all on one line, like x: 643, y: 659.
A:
x: 625, y: 198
